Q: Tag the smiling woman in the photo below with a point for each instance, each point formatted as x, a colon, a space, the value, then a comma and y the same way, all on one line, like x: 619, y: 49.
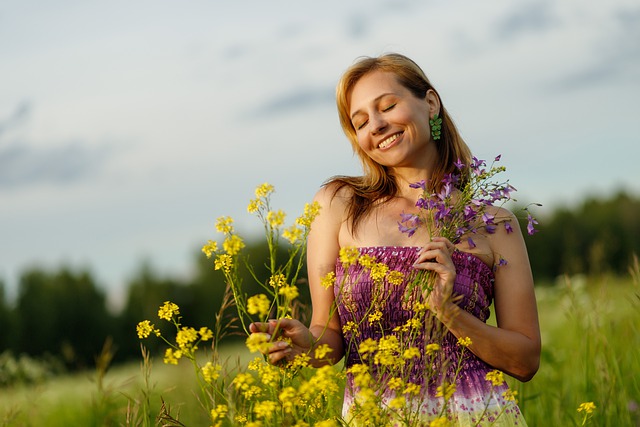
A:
x: 408, y: 311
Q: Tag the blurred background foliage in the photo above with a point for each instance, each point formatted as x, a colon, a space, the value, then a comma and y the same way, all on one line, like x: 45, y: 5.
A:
x: 61, y: 317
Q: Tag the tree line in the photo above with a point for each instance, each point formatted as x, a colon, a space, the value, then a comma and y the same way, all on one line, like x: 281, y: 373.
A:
x: 63, y: 314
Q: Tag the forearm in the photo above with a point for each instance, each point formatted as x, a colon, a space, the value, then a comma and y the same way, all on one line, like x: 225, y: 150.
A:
x: 509, y: 351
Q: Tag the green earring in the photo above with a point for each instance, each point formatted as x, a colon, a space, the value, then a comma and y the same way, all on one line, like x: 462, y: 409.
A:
x: 436, y: 126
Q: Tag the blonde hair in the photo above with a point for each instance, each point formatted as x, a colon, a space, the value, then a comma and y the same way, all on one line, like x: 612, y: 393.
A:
x: 377, y: 184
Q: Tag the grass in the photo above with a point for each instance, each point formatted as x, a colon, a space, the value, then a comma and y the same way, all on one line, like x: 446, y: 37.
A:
x: 591, y: 336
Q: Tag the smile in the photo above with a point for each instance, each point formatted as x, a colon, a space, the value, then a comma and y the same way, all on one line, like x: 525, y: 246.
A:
x: 389, y: 141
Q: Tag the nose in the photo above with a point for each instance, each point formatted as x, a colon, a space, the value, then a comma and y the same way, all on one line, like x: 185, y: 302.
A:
x: 378, y: 123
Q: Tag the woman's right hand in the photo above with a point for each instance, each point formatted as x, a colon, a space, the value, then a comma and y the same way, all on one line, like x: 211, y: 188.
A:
x: 289, y: 337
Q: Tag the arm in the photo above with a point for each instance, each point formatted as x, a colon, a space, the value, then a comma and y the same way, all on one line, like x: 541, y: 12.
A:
x: 514, y: 345
x: 324, y: 328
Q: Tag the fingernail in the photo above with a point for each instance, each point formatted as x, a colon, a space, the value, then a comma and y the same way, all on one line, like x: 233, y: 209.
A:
x: 282, y: 344
x: 287, y: 350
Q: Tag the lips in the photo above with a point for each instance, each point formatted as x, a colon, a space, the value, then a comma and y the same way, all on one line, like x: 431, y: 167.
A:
x: 388, y: 141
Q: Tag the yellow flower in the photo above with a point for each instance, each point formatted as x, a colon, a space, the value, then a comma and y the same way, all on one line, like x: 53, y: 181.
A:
x: 205, y: 333
x: 254, y: 205
x: 210, y: 248
x: 276, y: 219
x: 366, y: 261
x: 264, y: 190
x: 211, y: 372
x: 368, y: 346
x: 311, y: 211
x: 293, y: 234
x: 144, y: 329
x: 171, y: 357
x: 321, y: 351
x: 168, y: 310
x: 379, y: 271
x: 223, y: 262
x: 510, y: 395
x: 265, y: 409
x: 412, y: 388
x: 277, y: 280
x: 432, y: 348
x: 495, y: 377
x: 395, y: 277
x: 258, y: 342
x: 258, y: 304
x: 350, y: 326
x: 411, y: 352
x: 464, y: 342
x: 185, y: 337
x: 375, y: 316
x: 233, y: 244
x: 243, y: 381
x: 397, y: 402
x: 300, y: 361
x: 219, y: 412
x: 439, y: 422
x: 286, y: 397
x: 224, y: 224
x: 587, y: 407
x: 328, y: 280
x: 445, y: 391
x: 349, y: 256
x: 289, y: 292
x: 395, y: 383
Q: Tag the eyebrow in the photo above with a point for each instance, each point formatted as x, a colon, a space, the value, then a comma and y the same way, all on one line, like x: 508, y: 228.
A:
x: 376, y: 99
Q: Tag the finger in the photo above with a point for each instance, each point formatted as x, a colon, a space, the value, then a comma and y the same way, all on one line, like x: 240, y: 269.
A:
x: 277, y: 356
x: 258, y: 327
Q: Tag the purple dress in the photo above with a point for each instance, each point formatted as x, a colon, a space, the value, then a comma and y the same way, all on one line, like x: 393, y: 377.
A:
x: 375, y: 310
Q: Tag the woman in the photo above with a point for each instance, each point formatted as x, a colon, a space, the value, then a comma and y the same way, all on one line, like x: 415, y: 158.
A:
x: 385, y: 106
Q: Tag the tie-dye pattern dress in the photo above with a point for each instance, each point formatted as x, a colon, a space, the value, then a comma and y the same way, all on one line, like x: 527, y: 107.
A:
x: 374, y: 310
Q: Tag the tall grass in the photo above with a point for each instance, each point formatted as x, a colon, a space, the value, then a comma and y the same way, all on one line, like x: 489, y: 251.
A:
x: 591, y: 352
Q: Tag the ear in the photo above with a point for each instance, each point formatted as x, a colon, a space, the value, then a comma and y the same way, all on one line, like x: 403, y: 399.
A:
x: 433, y: 100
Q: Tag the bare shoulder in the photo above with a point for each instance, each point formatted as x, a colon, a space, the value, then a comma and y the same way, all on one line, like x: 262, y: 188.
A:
x: 334, y: 197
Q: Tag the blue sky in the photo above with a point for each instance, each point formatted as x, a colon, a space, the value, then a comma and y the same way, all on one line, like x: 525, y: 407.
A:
x: 127, y: 128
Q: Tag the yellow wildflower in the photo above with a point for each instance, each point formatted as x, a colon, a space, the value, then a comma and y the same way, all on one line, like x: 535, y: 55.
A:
x: 349, y: 256
x: 587, y: 407
x: 264, y: 190
x: 368, y: 346
x: 375, y: 316
x: 321, y: 351
x: 254, y: 424
x: 510, y: 395
x: 328, y: 280
x: 258, y: 304
x: 300, y: 361
x: 276, y: 219
x: 464, y: 342
x: 185, y: 337
x: 289, y: 292
x: 350, y: 326
x: 265, y: 409
x: 397, y: 402
x: 224, y: 224
x: 168, y: 310
x: 258, y: 343
x: 254, y: 205
x: 211, y: 372
x: 269, y: 375
x: 326, y: 423
x: 395, y: 277
x: 411, y: 388
x: 205, y: 333
x: 210, y: 248
x: 171, y: 356
x: 395, y: 383
x: 311, y: 211
x: 232, y: 244
x: 379, y: 271
x: 411, y: 352
x: 223, y: 262
x: 432, y: 348
x: 286, y: 397
x: 219, y: 412
x: 445, y: 391
x: 243, y: 381
x: 144, y: 329
x: 293, y: 234
x: 495, y: 377
x: 277, y: 280
x: 366, y: 261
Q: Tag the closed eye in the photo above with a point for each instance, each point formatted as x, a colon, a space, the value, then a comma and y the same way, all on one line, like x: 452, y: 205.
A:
x: 390, y: 107
x: 361, y: 125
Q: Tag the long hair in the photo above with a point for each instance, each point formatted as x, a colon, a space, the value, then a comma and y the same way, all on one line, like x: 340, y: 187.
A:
x: 377, y: 185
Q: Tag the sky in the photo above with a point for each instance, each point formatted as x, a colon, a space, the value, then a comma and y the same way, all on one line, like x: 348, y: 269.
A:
x: 128, y: 127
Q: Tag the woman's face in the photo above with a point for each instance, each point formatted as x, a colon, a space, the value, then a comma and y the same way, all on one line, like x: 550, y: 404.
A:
x: 391, y: 124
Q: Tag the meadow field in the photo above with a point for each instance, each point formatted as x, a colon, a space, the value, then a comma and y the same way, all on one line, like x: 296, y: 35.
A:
x: 591, y: 353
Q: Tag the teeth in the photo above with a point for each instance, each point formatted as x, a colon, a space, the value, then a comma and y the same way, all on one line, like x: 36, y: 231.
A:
x: 386, y: 142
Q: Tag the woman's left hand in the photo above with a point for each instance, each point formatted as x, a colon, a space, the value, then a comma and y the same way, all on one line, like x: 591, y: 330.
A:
x: 436, y: 256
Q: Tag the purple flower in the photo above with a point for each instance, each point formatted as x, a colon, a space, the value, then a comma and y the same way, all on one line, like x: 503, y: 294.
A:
x: 468, y: 213
x: 487, y: 218
x: 420, y: 184
x: 531, y: 221
x: 458, y: 163
x: 409, y: 230
x: 497, y: 159
x: 507, y: 226
x: 471, y: 243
